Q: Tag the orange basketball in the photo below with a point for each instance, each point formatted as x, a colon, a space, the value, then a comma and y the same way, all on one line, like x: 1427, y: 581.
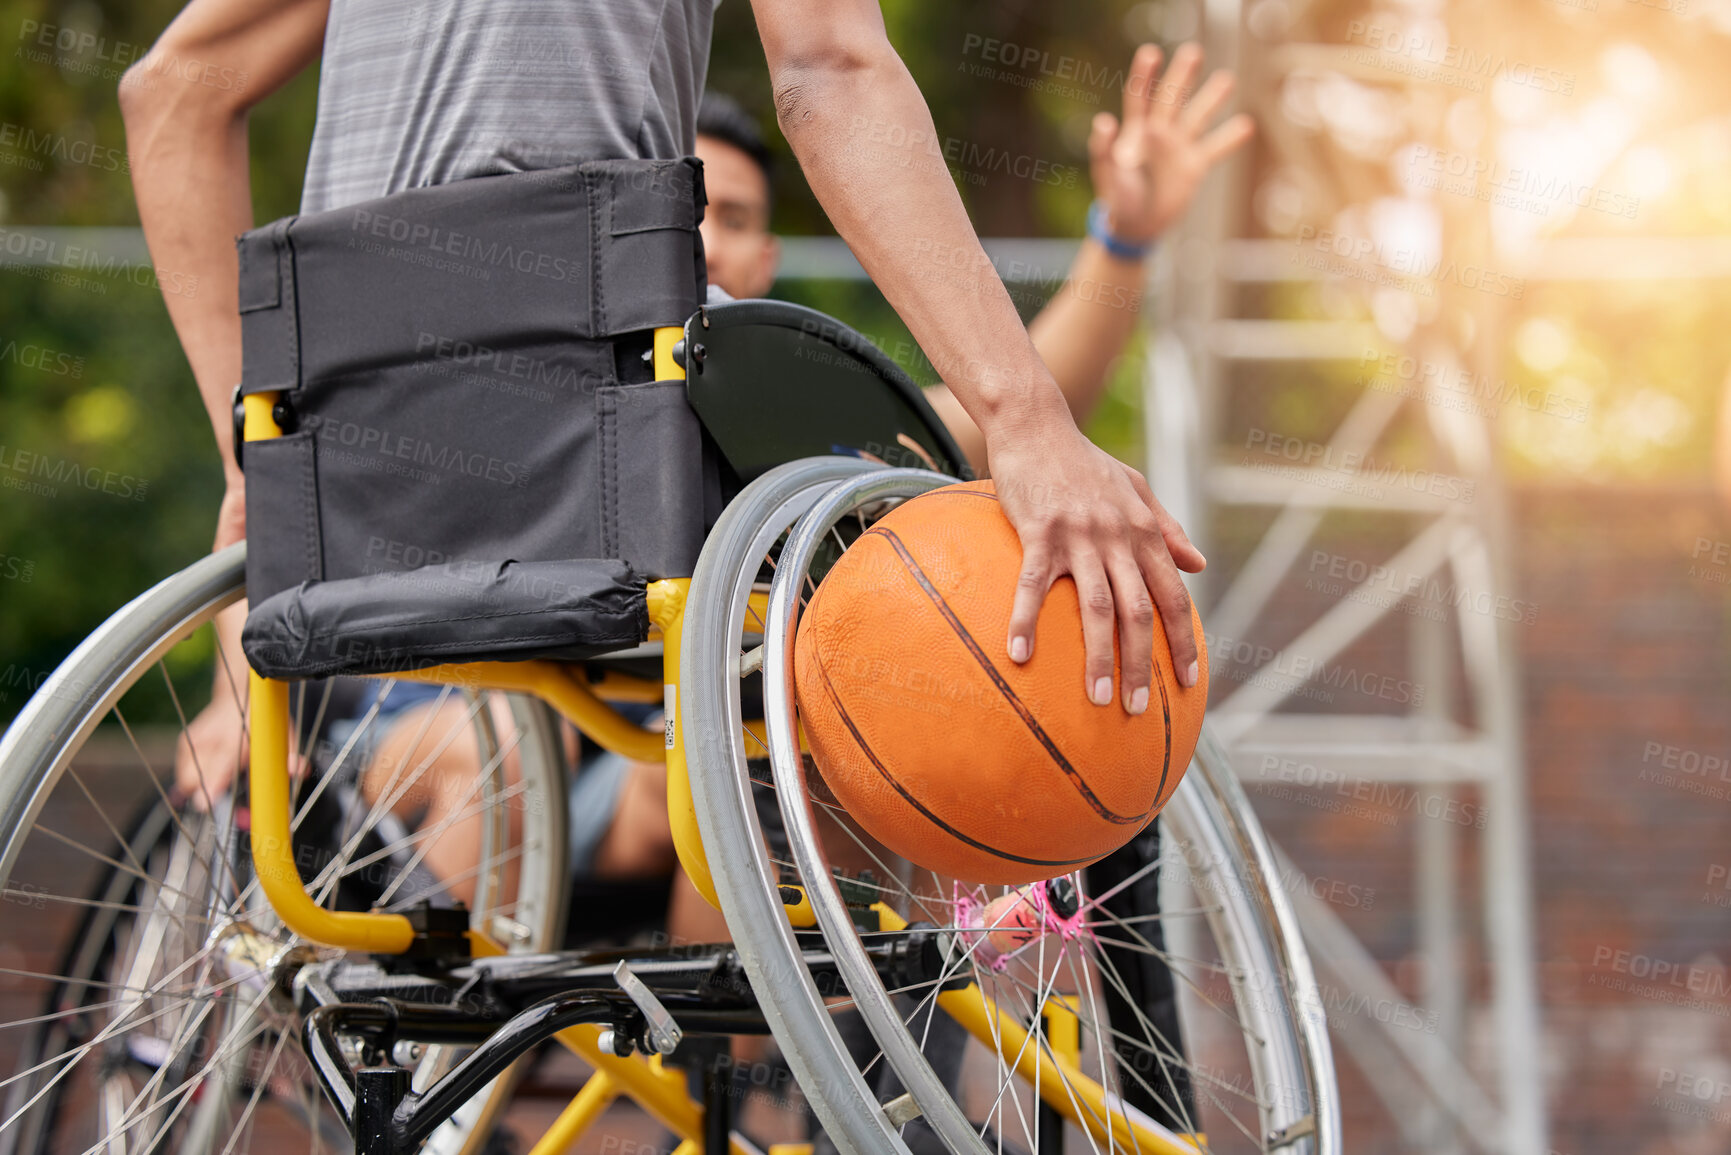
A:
x: 939, y: 745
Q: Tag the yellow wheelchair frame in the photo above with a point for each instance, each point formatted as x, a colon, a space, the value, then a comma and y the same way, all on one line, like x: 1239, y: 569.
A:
x: 661, y: 1091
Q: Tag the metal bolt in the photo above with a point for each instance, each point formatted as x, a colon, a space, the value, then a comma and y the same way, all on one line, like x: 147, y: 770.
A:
x: 1061, y: 893
x: 512, y: 929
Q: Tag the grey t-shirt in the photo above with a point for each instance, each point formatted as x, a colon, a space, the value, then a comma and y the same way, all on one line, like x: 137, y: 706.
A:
x: 423, y: 92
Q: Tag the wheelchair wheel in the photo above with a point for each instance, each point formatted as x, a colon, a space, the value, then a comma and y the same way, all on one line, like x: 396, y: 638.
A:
x: 158, y: 1021
x: 1183, y: 1017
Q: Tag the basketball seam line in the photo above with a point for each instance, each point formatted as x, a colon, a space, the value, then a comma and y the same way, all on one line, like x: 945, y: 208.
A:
x: 859, y: 740
x: 1165, y: 713
x: 1160, y: 683
x: 1003, y: 685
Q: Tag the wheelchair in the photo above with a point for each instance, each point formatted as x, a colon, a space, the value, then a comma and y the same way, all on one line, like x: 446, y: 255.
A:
x: 282, y: 967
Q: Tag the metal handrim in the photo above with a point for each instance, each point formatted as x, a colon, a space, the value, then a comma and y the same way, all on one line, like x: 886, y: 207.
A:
x: 1292, y: 1056
x: 710, y: 717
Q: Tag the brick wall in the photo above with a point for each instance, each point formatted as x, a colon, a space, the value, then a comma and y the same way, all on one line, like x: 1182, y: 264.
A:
x: 1626, y: 685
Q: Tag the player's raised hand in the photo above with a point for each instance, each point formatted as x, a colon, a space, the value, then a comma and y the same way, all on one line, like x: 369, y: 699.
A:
x: 1147, y: 167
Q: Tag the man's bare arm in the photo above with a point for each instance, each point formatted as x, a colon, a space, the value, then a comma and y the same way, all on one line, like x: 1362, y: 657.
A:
x: 185, y: 105
x: 1079, y: 334
x: 865, y: 138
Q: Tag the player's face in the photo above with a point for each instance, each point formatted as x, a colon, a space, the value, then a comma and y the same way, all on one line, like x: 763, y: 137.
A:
x: 742, y: 253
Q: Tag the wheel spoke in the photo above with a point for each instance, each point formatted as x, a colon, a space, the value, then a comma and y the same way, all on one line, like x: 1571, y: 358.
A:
x: 511, y: 855
x: 396, y: 787
x: 325, y: 883
x: 167, y: 803
x: 108, y: 861
x: 107, y: 1032
x: 889, y: 873
x: 1181, y: 975
x: 186, y: 732
x: 155, y: 1023
x: 182, y: 1095
x: 96, y: 904
x: 427, y: 837
x: 1165, y: 957
x: 1157, y: 916
x: 1165, y: 1050
x: 1009, y: 1068
x: 331, y: 774
x: 243, y: 1128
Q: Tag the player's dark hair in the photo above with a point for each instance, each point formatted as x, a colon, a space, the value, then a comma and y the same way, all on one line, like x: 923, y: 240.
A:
x: 721, y: 117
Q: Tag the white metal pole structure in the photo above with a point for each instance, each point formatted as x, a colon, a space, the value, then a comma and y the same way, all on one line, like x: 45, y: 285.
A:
x: 1214, y: 330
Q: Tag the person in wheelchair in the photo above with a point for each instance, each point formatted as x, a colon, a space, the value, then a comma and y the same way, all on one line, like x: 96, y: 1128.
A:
x: 1145, y: 169
x: 441, y: 135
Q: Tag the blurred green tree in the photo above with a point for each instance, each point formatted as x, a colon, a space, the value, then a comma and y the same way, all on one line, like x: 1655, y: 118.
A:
x: 109, y: 474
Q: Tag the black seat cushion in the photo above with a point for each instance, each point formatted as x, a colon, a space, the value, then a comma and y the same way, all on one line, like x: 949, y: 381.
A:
x: 461, y: 612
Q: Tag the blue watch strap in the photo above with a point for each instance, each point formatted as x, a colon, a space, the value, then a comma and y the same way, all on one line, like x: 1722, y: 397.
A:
x: 1118, y: 247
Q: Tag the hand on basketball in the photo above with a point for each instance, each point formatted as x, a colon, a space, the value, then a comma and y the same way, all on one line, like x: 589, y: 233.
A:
x: 1080, y: 512
x: 1147, y: 168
